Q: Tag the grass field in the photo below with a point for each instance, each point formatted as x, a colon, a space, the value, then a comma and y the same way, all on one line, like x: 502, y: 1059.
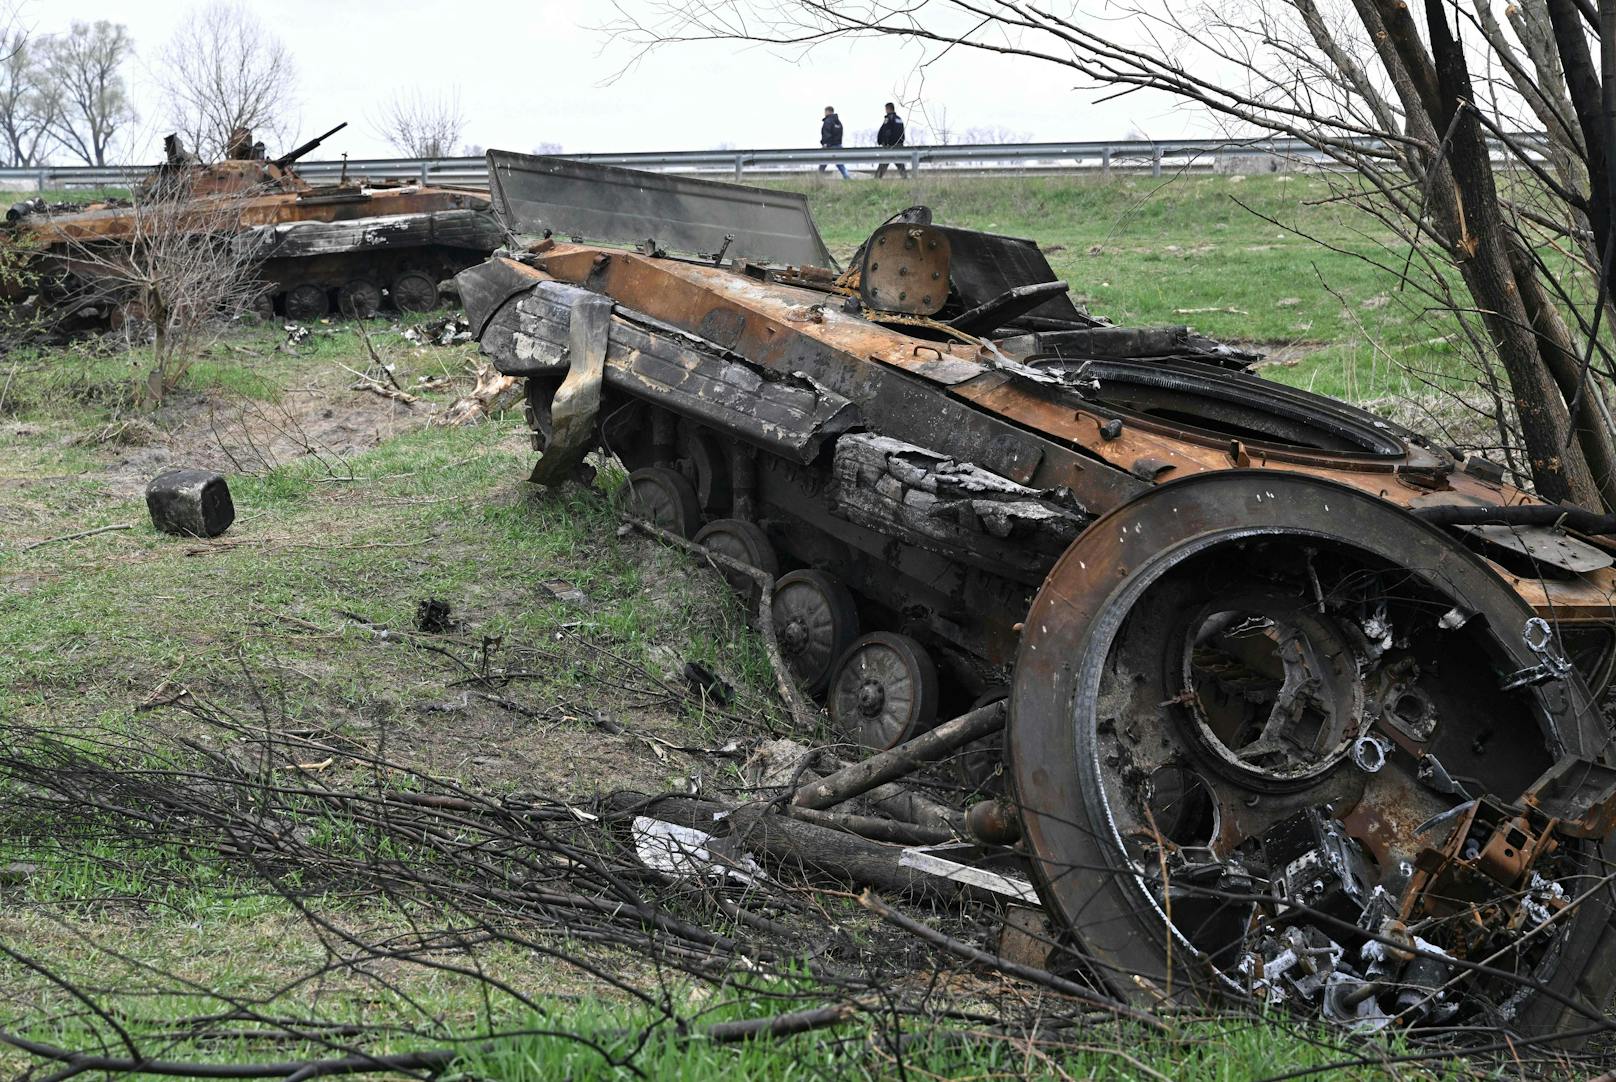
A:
x: 352, y: 509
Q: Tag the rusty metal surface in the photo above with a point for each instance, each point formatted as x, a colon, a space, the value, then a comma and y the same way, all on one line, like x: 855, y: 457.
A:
x: 326, y: 237
x: 1250, y: 684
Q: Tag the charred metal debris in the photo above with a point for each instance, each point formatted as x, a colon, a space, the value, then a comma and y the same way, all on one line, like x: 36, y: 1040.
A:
x: 1255, y: 693
x: 353, y: 248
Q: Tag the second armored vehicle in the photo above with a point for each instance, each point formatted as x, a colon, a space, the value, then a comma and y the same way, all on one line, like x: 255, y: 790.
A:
x: 353, y: 247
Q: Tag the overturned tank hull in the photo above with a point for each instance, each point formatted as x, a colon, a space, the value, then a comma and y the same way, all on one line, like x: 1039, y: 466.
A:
x: 1301, y: 708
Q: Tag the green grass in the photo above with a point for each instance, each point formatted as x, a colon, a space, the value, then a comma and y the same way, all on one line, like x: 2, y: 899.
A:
x: 89, y: 628
x: 1196, y: 250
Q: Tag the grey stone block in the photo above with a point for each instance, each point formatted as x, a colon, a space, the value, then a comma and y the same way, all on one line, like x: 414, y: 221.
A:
x: 193, y: 503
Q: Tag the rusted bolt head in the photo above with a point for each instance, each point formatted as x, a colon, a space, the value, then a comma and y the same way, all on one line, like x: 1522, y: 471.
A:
x: 882, y: 243
x: 875, y: 266
x: 902, y: 295
x: 935, y: 275
x: 1112, y: 429
x: 926, y: 299
x: 903, y: 272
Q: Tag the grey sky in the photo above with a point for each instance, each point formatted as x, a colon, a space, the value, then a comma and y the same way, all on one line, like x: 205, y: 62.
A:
x: 534, y: 71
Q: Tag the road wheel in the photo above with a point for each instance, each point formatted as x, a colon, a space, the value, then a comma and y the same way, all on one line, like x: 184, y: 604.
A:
x: 745, y: 542
x: 307, y: 301
x: 413, y: 291
x: 359, y: 299
x: 815, y: 620
x: 663, y: 498
x: 884, y: 691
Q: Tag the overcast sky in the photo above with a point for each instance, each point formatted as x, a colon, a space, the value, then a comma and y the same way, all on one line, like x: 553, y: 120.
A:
x: 538, y: 71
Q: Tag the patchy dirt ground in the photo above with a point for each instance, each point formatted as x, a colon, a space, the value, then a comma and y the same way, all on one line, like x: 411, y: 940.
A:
x: 561, y: 672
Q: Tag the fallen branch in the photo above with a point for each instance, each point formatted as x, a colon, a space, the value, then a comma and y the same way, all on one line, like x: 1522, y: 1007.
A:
x: 902, y: 760
x: 76, y: 536
x: 780, y: 1025
x: 804, y: 716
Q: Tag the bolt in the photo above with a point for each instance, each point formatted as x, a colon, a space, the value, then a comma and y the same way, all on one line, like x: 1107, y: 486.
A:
x: 902, y: 296
x: 903, y: 272
x: 875, y: 266
x: 926, y: 299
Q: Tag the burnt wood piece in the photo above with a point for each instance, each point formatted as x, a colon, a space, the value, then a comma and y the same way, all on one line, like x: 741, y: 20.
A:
x: 190, y: 503
x: 954, y: 508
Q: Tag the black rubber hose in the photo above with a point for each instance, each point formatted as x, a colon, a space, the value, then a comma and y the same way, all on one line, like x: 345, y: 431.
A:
x: 1535, y: 514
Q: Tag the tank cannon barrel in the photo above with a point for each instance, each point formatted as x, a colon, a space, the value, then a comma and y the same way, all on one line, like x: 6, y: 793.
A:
x: 293, y: 155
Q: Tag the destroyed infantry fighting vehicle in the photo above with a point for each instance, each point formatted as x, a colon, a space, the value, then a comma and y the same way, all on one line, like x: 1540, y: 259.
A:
x: 1300, y: 707
x: 352, y: 247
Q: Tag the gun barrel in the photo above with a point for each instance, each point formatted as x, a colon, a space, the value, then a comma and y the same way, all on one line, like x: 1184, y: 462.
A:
x: 293, y: 155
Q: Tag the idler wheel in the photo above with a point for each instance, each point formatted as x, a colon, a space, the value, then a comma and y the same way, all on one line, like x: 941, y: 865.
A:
x: 307, y: 301
x: 745, y: 542
x: 663, y: 498
x: 359, y: 299
x: 815, y: 621
x: 414, y: 292
x: 1193, y: 676
x: 884, y: 691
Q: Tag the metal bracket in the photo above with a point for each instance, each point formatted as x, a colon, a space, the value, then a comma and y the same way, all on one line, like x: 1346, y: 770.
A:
x: 1538, y: 636
x: 577, y: 401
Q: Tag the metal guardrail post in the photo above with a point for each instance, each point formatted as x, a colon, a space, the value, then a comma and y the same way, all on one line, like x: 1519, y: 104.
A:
x: 424, y: 167
x: 740, y: 162
x: 1105, y: 163
x: 914, y: 160
x: 1155, y: 162
x: 39, y: 181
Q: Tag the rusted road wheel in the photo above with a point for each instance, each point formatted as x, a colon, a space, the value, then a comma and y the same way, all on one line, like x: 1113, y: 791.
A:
x: 815, y: 620
x: 359, y: 299
x: 745, y: 542
x: 306, y: 301
x: 663, y: 498
x: 1237, y: 672
x: 413, y: 291
x: 884, y: 691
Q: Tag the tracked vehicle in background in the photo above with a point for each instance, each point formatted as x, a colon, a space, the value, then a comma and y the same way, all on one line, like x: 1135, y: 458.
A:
x: 1301, y: 707
x: 354, y: 247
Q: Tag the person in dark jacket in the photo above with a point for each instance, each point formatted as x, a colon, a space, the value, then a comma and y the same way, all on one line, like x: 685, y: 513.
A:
x: 830, y: 135
x: 890, y: 135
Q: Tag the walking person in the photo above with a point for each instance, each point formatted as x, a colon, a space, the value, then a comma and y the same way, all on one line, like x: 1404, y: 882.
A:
x: 890, y: 135
x: 830, y: 135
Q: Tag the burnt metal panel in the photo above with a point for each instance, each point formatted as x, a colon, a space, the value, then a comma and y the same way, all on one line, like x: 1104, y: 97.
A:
x: 986, y: 265
x: 788, y: 416
x: 536, y: 194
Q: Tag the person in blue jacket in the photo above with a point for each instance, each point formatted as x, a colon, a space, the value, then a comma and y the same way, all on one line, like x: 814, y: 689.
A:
x: 830, y: 135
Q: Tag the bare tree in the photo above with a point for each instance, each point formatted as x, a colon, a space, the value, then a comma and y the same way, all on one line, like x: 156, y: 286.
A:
x: 175, y: 267
x: 223, y: 71
x: 29, y: 106
x: 83, y: 67
x: 422, y: 126
x: 1415, y: 101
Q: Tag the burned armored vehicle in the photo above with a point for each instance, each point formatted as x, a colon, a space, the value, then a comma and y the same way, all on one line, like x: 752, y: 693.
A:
x: 353, y: 247
x: 1300, y: 707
